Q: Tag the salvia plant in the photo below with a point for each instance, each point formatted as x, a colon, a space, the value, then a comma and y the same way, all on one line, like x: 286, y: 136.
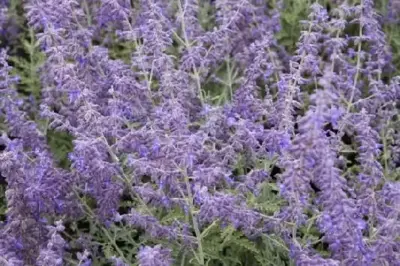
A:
x: 188, y: 132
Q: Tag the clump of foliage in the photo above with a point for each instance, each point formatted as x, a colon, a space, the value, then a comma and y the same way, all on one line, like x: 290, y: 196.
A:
x: 186, y: 132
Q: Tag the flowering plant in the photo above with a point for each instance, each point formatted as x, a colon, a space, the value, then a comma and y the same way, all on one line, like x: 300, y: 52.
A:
x: 186, y: 132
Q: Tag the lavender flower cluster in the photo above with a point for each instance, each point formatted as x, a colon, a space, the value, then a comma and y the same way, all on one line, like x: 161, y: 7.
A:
x: 184, y: 133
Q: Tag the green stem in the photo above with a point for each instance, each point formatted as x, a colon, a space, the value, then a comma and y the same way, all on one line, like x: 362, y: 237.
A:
x: 194, y: 221
x: 357, y: 70
x: 124, y: 178
x: 188, y: 46
x: 87, y: 12
x: 385, y: 152
x: 229, y: 79
x: 189, y: 200
x: 105, y: 231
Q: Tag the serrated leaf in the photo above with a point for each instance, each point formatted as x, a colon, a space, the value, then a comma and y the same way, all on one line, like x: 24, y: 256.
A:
x: 247, y: 244
x: 108, y: 250
x: 227, y: 233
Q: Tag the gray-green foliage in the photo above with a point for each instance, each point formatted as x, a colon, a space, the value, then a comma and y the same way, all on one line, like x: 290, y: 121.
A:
x: 292, y: 12
x: 222, y: 245
x: 27, y: 67
x: 3, y: 206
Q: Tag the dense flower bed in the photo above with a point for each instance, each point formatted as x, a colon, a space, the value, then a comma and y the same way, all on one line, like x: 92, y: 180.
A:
x: 187, y: 132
